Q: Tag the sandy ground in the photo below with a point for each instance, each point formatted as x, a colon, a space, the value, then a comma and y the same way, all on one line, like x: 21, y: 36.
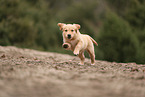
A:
x: 31, y: 73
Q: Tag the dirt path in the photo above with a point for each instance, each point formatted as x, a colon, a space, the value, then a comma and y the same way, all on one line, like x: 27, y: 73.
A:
x: 31, y: 73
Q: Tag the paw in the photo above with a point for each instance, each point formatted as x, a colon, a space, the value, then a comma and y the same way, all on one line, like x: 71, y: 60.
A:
x: 93, y: 64
x: 76, y: 52
x: 66, y: 46
x: 81, y: 63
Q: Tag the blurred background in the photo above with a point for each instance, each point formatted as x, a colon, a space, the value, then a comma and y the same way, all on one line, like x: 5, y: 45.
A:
x: 117, y: 25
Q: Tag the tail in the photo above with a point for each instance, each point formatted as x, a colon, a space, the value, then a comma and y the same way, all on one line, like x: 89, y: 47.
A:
x: 94, y: 41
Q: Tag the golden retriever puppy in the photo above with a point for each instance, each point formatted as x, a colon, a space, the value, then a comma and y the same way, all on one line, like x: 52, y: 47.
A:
x: 77, y: 42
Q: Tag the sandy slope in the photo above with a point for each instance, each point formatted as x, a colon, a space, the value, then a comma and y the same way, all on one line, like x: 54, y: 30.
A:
x: 31, y: 73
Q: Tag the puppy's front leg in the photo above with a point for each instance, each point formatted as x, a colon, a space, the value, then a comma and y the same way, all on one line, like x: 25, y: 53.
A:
x: 78, y: 48
x: 67, y: 46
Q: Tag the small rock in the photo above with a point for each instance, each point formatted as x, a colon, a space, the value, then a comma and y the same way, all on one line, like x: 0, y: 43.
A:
x: 11, y: 69
x: 30, y: 64
x: 140, y: 77
x: 102, y: 71
x: 143, y: 70
x: 134, y: 69
x: 3, y: 56
x: 35, y: 58
x: 56, y: 67
x: 21, y: 57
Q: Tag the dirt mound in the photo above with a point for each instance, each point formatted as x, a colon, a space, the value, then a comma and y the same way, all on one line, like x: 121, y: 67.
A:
x: 31, y: 73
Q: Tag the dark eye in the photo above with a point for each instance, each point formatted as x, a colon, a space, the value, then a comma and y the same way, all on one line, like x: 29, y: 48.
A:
x: 65, y: 30
x: 72, y: 30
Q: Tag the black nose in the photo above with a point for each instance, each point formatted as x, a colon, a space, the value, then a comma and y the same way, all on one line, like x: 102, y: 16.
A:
x: 69, y: 36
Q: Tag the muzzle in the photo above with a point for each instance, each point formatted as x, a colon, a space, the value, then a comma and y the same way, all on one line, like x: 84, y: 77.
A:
x: 69, y: 36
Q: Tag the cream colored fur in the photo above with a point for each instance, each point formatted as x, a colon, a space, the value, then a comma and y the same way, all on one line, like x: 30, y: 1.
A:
x: 77, y: 42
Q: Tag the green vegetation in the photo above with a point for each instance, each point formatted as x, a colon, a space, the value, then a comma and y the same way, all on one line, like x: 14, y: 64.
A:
x: 118, y: 26
x: 119, y: 43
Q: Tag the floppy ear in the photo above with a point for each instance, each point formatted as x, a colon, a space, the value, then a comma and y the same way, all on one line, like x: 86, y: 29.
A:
x: 78, y: 26
x: 60, y: 25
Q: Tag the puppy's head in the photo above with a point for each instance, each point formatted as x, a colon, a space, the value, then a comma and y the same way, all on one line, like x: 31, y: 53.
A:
x: 70, y: 31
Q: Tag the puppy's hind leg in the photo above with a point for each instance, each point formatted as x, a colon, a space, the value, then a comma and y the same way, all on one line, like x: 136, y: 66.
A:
x: 92, y: 55
x: 82, y: 57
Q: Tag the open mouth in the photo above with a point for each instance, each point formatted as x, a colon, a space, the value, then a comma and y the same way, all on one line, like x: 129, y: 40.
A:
x: 69, y: 37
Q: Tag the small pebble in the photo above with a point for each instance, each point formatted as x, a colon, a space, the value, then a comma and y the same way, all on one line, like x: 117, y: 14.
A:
x: 134, y: 69
x: 3, y: 56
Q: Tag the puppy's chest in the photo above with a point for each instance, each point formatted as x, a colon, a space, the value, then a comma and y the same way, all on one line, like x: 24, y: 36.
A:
x: 74, y: 43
